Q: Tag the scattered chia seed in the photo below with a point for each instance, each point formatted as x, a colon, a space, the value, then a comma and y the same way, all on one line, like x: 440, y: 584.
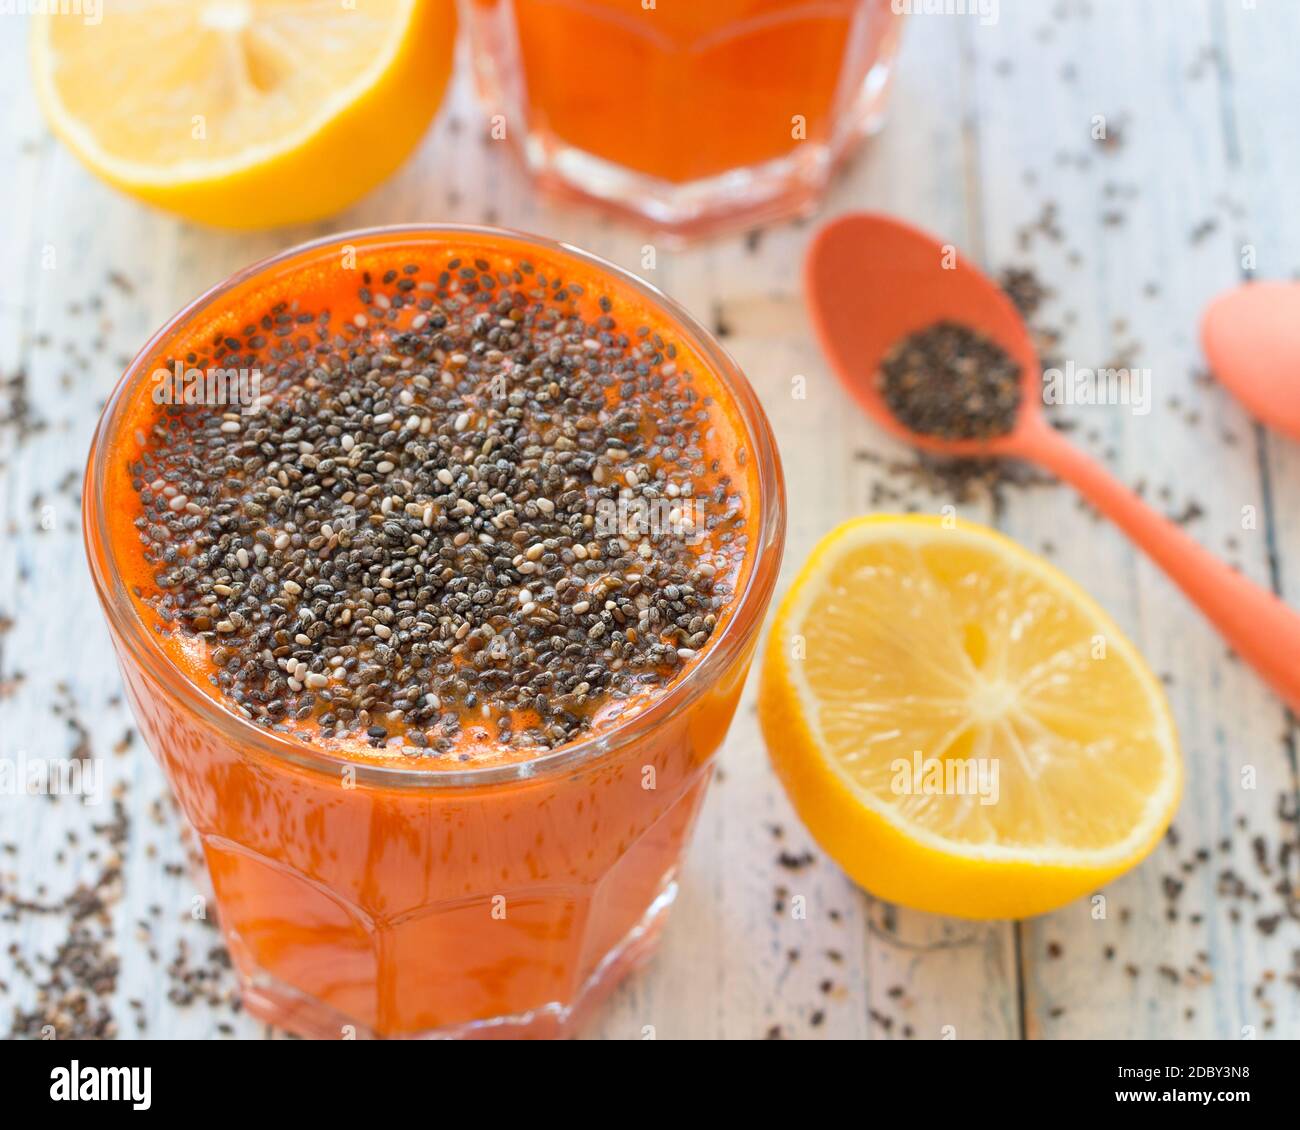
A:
x: 1026, y: 291
x: 956, y: 480
x: 73, y: 985
x: 10, y: 681
x: 17, y: 413
x: 121, y: 282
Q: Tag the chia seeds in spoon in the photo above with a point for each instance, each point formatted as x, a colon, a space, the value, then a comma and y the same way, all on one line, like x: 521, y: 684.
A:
x: 950, y: 381
x: 402, y: 546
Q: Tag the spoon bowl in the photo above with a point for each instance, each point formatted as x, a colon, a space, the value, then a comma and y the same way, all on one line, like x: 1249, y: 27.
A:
x: 1251, y: 338
x: 873, y: 280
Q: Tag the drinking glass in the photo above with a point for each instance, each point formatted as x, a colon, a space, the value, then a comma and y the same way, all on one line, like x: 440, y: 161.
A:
x: 693, y: 114
x: 381, y: 899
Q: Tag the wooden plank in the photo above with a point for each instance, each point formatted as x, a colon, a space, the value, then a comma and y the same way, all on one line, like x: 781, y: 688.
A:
x: 851, y: 959
x: 975, y: 109
x: 1257, y: 88
x: 1144, y: 209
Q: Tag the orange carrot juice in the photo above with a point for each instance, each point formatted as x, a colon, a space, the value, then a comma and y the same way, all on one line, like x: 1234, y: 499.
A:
x: 691, y: 113
x: 434, y: 560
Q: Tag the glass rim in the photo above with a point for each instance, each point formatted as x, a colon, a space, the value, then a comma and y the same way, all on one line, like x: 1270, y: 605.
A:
x: 131, y: 632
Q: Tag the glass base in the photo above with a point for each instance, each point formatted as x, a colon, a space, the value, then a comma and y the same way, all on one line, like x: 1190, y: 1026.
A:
x: 742, y: 198
x: 274, y: 1002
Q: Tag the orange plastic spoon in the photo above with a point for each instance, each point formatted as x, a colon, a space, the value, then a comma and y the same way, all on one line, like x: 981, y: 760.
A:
x: 1251, y: 337
x: 872, y: 280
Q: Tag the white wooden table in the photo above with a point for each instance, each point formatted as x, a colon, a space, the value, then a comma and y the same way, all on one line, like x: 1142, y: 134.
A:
x: 989, y: 126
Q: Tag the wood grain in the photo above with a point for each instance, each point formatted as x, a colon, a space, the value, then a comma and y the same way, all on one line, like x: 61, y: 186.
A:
x: 989, y: 125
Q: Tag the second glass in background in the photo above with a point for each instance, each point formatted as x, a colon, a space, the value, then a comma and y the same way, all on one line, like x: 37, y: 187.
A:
x: 695, y: 116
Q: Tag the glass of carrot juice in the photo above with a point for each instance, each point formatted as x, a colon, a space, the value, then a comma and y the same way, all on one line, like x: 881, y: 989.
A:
x: 434, y: 560
x: 693, y: 115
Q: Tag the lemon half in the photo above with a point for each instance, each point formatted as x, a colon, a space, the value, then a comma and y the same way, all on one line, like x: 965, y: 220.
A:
x: 962, y: 728
x: 245, y: 113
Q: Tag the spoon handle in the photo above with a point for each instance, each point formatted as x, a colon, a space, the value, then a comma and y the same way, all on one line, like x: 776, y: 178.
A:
x: 1259, y: 626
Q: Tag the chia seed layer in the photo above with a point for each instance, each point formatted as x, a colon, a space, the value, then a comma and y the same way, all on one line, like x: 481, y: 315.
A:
x: 951, y: 381
x: 476, y: 516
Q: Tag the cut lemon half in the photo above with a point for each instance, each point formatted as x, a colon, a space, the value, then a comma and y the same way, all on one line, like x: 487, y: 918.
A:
x: 961, y: 727
x: 245, y: 113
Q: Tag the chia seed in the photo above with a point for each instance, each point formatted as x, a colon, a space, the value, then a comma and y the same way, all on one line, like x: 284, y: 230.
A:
x: 950, y: 381
x: 405, y: 543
